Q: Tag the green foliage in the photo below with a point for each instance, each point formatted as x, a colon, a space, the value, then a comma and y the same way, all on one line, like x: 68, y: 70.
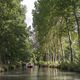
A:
x: 56, y: 23
x: 13, y: 32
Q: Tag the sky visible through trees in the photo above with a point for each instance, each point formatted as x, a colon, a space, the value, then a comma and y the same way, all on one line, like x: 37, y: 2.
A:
x: 30, y: 5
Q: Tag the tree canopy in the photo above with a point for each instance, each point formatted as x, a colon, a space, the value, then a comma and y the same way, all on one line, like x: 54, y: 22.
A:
x: 56, y: 23
x: 14, y: 37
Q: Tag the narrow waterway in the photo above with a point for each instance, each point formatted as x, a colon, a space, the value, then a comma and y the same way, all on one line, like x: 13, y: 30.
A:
x: 39, y: 74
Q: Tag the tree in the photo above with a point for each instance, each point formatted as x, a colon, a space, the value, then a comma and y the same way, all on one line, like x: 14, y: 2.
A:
x: 13, y: 31
x: 54, y: 24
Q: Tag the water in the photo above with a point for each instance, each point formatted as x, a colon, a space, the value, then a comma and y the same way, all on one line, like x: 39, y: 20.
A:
x: 40, y: 74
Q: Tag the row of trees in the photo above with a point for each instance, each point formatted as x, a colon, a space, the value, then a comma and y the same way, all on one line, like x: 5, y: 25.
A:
x: 14, y: 38
x: 57, y: 27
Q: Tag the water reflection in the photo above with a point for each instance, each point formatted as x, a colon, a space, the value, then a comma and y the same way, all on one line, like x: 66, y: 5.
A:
x: 39, y: 74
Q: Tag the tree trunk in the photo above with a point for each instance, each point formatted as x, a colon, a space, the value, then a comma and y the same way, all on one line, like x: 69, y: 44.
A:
x: 61, y: 49
x: 76, y: 20
x: 69, y: 37
x: 54, y: 53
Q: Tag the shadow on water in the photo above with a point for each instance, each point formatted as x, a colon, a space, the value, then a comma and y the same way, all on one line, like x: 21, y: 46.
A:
x: 39, y: 74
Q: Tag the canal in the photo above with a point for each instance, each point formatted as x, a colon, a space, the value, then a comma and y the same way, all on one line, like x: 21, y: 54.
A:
x: 39, y: 74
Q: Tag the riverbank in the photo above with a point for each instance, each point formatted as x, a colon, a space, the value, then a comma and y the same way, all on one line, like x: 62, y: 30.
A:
x: 4, y: 68
x: 74, y: 67
x: 65, y: 66
x: 48, y: 64
x: 10, y: 67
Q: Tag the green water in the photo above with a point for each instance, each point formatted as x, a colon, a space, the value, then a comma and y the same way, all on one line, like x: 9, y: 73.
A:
x: 39, y: 74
